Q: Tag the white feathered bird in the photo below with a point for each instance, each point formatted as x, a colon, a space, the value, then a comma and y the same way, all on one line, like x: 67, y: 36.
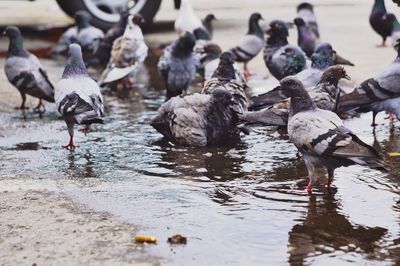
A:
x: 77, y: 96
x: 128, y: 53
x: 187, y: 19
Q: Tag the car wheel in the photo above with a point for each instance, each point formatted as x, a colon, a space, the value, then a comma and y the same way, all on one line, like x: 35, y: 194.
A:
x: 105, y: 13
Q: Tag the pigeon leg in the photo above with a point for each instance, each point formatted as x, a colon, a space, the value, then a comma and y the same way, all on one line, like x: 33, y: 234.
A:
x: 22, y: 106
x: 70, y: 146
x: 85, y: 130
x: 40, y: 104
x: 391, y: 117
x: 246, y: 71
x: 382, y: 45
x: 374, y: 113
x: 330, y: 178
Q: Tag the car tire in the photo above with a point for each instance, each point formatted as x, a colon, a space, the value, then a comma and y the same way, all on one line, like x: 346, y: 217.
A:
x: 148, y: 11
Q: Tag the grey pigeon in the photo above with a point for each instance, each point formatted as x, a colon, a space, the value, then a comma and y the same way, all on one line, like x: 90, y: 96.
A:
x: 128, y: 54
x: 281, y: 58
x: 224, y: 78
x: 306, y: 38
x: 377, y: 94
x: 322, y: 58
x: 103, y: 51
x: 68, y: 37
x: 321, y: 137
x: 251, y: 44
x: 306, y: 12
x: 207, y: 23
x: 378, y: 22
x: 197, y: 120
x: 89, y: 36
x: 325, y: 96
x: 177, y: 65
x: 78, y: 97
x: 25, y: 72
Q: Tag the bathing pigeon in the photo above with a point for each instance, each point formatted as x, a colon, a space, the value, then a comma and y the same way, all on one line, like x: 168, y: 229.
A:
x: 78, y: 97
x: 281, y: 58
x: 103, y: 51
x: 88, y: 37
x: 198, y: 119
x: 251, y: 44
x: 306, y: 39
x: 322, y: 58
x: 25, y: 72
x: 377, y: 94
x: 378, y: 22
x: 128, y: 53
x: 177, y: 65
x: 187, y: 19
x: 395, y: 36
x: 224, y: 78
x: 321, y: 137
x: 325, y: 96
x: 306, y: 12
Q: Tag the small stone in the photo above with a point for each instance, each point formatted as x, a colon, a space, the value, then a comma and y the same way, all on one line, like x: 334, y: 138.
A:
x: 177, y: 239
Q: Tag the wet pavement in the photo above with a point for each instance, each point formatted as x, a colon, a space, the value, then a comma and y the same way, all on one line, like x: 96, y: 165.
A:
x: 239, y: 205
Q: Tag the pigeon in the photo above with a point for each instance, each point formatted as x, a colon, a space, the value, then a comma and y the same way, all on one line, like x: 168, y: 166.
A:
x: 306, y: 12
x: 68, y: 37
x: 376, y: 94
x: 207, y: 23
x: 322, y: 138
x: 395, y: 36
x: 325, y: 96
x: 187, y: 20
x: 103, y: 51
x: 128, y: 54
x: 88, y: 37
x: 251, y: 44
x: 322, y: 58
x: 78, y: 97
x: 378, y: 22
x: 197, y: 120
x: 224, y: 78
x: 177, y: 65
x: 306, y: 40
x: 281, y: 58
x: 25, y: 72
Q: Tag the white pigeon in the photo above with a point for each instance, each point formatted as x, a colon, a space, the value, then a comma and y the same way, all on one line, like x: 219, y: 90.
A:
x: 187, y: 19
x: 128, y: 52
x: 322, y: 138
x: 25, y: 72
x: 77, y: 96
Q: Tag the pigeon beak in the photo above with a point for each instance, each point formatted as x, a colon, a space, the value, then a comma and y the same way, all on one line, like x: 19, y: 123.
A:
x: 347, y: 77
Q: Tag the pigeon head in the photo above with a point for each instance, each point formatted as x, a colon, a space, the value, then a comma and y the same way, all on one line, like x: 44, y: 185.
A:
x: 201, y: 34
x: 299, y: 22
x: 16, y: 46
x: 225, y: 70
x: 209, y: 18
x: 323, y: 56
x: 212, y: 51
x: 75, y: 65
x: 137, y: 19
x: 254, y: 27
x: 305, y: 5
x: 184, y: 45
x: 278, y: 32
x: 299, y: 99
x: 82, y: 19
x: 221, y: 96
x: 333, y: 74
x: 12, y: 32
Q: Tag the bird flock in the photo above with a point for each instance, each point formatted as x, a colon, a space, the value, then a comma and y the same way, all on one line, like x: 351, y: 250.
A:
x: 306, y: 98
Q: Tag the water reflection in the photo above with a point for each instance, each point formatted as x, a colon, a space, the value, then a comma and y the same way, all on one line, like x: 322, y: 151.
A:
x: 325, y: 230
